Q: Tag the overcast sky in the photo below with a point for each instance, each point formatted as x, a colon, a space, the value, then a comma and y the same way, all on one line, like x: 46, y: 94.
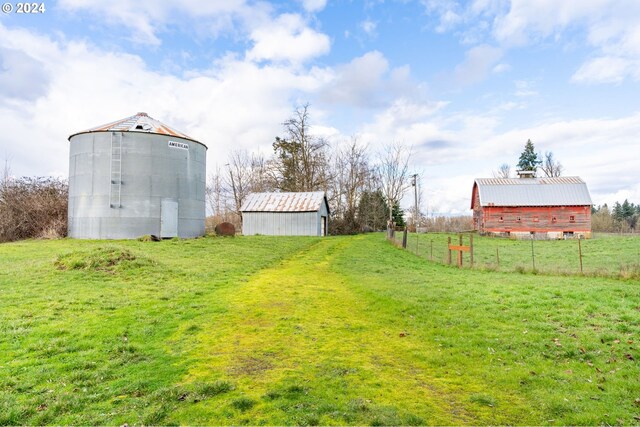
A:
x: 465, y: 83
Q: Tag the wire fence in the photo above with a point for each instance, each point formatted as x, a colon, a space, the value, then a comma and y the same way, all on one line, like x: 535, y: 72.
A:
x: 602, y: 255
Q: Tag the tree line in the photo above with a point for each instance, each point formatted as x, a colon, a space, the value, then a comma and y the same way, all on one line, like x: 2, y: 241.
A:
x: 363, y: 189
x: 622, y: 218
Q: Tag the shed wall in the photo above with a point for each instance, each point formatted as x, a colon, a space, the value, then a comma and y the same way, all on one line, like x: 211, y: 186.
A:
x: 281, y: 223
x: 151, y: 172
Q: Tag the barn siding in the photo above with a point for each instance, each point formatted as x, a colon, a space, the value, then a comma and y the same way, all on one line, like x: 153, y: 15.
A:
x: 536, y: 219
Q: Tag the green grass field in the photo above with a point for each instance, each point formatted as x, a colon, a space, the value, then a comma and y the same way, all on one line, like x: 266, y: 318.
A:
x: 266, y: 330
x: 603, y: 255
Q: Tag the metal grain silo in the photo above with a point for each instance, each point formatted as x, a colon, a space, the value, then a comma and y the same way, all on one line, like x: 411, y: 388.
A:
x: 135, y: 177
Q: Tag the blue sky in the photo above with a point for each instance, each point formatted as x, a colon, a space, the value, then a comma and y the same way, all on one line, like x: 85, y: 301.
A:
x: 464, y: 83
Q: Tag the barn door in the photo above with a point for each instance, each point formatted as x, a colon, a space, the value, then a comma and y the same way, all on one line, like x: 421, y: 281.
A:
x: 323, y: 226
x: 169, y: 218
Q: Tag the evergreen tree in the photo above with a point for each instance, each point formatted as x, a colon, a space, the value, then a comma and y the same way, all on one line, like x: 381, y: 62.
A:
x: 529, y: 159
x: 398, y: 215
x: 372, y: 211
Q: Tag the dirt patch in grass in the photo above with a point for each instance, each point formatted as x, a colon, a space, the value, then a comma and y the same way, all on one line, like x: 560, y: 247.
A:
x: 251, y: 365
x: 108, y: 259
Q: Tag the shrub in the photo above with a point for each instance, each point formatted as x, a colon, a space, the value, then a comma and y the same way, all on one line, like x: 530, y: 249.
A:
x: 33, y: 208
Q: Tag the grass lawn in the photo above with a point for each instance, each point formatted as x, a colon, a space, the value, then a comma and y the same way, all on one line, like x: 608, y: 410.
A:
x: 266, y: 330
x: 603, y: 255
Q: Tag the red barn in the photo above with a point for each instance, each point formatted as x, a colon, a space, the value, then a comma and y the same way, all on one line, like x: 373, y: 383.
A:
x: 522, y: 207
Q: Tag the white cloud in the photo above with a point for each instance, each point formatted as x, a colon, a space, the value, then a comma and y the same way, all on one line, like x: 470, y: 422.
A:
x: 607, y: 69
x: 361, y: 82
x: 314, y: 5
x: 525, y: 88
x: 236, y: 104
x: 501, y: 68
x: 146, y: 18
x: 287, y: 39
x: 22, y: 77
x: 369, y: 27
x: 610, y: 27
x: 453, y: 148
x: 449, y: 13
x: 478, y: 62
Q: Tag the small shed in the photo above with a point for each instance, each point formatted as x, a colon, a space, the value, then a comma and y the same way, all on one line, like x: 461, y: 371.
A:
x: 529, y: 207
x: 285, y: 214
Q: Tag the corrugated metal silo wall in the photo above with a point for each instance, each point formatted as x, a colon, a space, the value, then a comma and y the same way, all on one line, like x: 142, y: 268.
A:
x: 280, y: 223
x: 152, y: 171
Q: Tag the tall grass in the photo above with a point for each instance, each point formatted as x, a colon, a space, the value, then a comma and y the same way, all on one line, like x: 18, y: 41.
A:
x: 604, y: 255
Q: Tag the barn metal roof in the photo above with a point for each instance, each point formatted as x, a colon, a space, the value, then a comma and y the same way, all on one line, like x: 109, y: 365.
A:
x: 284, y: 202
x: 562, y: 191
x: 140, y: 122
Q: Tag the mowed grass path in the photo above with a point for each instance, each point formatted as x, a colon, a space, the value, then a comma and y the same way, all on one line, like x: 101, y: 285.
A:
x: 305, y: 331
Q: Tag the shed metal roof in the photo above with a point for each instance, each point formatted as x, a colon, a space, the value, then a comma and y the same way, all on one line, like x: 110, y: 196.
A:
x: 284, y: 202
x: 561, y: 191
x: 140, y: 122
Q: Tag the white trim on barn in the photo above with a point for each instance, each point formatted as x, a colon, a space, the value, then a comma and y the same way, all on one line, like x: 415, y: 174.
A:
x: 285, y: 214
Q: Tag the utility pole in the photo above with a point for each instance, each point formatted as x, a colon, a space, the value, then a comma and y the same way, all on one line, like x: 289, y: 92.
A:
x: 233, y: 188
x: 414, y: 182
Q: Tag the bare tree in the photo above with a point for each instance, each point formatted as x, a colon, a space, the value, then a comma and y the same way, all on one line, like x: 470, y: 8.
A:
x: 551, y: 167
x: 238, y: 177
x: 349, y: 179
x: 6, y: 172
x: 301, y: 160
x: 216, y: 193
x: 260, y: 180
x: 394, y: 173
x: 246, y: 173
x: 504, y: 171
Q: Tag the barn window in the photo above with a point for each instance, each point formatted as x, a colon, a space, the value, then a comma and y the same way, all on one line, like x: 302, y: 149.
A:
x: 554, y: 219
x: 572, y: 218
x: 501, y: 219
x: 518, y: 218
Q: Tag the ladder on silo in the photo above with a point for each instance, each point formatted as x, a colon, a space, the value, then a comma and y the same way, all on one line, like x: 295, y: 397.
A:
x: 116, y: 170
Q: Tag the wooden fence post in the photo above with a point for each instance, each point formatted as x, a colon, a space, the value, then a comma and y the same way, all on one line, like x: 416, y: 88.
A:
x: 498, y: 257
x: 580, y: 253
x: 449, y: 248
x: 404, y: 238
x: 471, y: 249
x: 460, y: 253
x: 533, y: 255
x: 431, y: 257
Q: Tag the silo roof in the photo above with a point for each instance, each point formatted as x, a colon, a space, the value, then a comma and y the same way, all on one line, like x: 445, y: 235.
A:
x: 284, y: 202
x: 561, y: 191
x: 140, y: 122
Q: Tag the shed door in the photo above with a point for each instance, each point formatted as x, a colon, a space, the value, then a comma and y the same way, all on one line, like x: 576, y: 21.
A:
x: 169, y: 218
x: 323, y: 225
